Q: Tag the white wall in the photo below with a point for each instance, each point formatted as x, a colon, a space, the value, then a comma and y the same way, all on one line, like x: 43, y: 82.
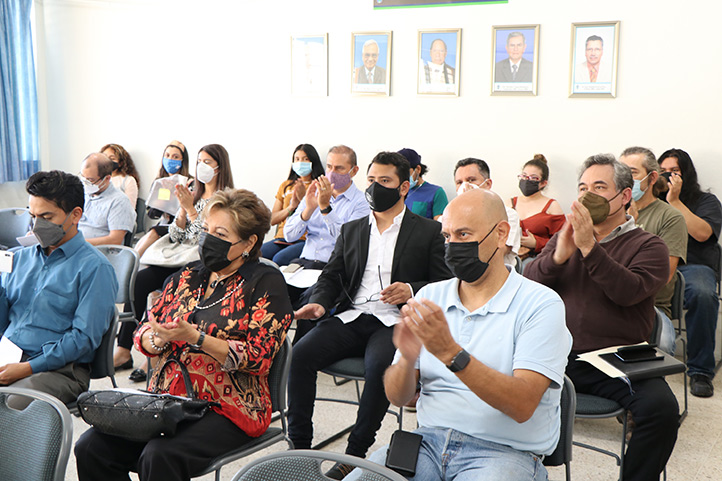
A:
x: 141, y: 73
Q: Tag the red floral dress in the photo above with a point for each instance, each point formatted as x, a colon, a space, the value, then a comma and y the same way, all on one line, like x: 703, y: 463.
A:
x: 251, y: 310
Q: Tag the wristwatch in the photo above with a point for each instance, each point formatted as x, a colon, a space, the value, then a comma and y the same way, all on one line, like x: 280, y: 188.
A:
x: 200, y: 340
x: 327, y: 210
x: 460, y: 361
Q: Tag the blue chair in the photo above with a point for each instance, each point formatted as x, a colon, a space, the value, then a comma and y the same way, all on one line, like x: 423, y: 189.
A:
x: 15, y: 223
x: 37, y: 440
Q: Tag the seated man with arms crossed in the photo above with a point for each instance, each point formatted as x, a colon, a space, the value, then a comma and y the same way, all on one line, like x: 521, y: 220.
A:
x: 58, y: 300
x: 377, y: 264
x: 489, y: 349
x: 608, y: 273
x: 107, y: 215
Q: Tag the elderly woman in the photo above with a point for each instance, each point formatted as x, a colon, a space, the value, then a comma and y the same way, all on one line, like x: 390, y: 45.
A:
x: 225, y: 318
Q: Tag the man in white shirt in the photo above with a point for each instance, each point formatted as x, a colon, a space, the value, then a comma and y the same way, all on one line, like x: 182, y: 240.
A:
x: 378, y: 263
x: 471, y: 173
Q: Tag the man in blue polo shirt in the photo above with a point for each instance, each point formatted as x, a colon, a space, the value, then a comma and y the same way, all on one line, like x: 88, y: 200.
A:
x: 424, y: 199
x: 58, y: 299
x: 489, y: 349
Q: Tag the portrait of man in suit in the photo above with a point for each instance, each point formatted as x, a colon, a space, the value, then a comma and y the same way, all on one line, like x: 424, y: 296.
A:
x: 514, y: 68
x: 370, y: 72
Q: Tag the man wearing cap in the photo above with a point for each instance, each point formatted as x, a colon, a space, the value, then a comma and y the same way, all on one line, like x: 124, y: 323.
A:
x: 424, y: 199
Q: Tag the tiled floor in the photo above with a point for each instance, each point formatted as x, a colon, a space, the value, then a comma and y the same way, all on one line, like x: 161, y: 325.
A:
x: 697, y: 454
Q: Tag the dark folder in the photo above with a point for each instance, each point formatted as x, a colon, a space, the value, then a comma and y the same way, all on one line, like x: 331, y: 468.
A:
x: 646, y: 369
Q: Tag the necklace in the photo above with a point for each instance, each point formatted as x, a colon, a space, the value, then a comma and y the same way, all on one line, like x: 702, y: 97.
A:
x: 220, y: 279
x: 198, y: 299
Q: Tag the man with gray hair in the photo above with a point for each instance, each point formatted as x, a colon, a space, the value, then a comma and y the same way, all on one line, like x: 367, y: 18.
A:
x: 608, y: 272
x: 658, y: 218
x: 370, y: 73
x: 515, y: 68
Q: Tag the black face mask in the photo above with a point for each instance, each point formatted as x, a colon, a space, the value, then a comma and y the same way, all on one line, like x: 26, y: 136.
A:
x: 528, y: 187
x: 382, y: 198
x: 462, y: 259
x: 214, y: 252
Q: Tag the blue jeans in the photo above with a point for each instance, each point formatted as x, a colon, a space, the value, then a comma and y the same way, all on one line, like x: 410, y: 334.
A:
x: 282, y: 254
x: 702, y: 304
x: 447, y: 454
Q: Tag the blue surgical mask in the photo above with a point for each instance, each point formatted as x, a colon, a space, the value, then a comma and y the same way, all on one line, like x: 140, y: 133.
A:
x: 302, y: 169
x: 637, y: 192
x: 172, y: 166
x: 412, y: 182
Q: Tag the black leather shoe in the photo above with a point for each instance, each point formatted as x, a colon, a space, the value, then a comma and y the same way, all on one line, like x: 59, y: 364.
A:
x: 339, y: 471
x: 701, y: 386
x: 126, y: 365
x: 138, y: 375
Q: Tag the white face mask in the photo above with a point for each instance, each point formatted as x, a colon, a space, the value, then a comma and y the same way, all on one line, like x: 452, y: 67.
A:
x: 205, y: 172
x: 464, y: 186
x: 89, y: 187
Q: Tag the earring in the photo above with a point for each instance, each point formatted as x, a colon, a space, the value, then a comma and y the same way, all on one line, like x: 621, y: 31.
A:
x: 245, y: 255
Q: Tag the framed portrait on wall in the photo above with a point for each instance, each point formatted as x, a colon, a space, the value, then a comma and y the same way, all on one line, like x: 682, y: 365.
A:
x: 593, y: 65
x: 439, y: 61
x: 371, y: 63
x: 515, y: 59
x: 309, y: 65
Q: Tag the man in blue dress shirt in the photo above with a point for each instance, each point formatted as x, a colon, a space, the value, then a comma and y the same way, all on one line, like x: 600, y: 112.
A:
x: 330, y: 202
x: 58, y: 299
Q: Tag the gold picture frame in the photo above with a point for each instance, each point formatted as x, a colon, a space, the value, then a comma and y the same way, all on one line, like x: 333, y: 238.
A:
x: 592, y: 73
x: 514, y: 65
x: 309, y: 65
x: 439, y: 62
x: 371, y: 63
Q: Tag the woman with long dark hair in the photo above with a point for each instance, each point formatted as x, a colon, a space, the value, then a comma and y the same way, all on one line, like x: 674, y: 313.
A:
x: 305, y: 166
x: 124, y: 177
x: 703, y: 214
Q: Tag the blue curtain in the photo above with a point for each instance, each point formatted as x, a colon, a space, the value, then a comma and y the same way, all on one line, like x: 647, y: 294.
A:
x: 19, y: 148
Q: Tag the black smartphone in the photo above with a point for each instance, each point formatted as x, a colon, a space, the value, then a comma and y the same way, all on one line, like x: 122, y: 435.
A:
x: 638, y: 353
x: 403, y: 452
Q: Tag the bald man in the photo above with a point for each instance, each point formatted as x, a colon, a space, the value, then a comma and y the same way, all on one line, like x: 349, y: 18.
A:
x: 489, y: 348
x: 108, y: 215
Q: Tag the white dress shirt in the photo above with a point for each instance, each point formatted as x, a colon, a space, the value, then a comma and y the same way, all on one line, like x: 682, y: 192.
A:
x: 377, y: 275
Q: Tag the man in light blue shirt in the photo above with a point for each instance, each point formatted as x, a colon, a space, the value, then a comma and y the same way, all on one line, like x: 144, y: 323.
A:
x: 59, y: 298
x: 107, y: 215
x: 330, y: 202
x: 489, y: 349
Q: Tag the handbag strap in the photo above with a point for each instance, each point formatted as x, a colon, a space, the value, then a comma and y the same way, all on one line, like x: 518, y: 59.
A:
x: 184, y: 372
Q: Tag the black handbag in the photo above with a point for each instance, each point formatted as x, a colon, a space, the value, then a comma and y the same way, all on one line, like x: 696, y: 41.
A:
x: 139, y: 415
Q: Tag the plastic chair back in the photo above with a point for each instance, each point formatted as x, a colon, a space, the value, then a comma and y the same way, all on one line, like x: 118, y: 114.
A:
x: 140, y: 216
x: 125, y: 263
x: 305, y: 465
x: 15, y: 223
x: 37, y: 440
x: 563, y: 452
x: 678, y: 296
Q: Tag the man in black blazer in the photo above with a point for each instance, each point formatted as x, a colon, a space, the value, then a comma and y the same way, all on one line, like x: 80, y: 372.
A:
x: 515, y: 68
x: 378, y: 263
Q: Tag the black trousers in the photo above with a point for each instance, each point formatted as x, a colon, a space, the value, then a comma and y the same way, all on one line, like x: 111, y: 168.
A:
x: 148, y: 280
x: 110, y: 458
x: 330, y: 341
x: 655, y: 412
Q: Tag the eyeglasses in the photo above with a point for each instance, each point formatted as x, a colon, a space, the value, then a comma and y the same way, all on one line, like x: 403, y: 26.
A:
x: 534, y: 178
x: 363, y: 300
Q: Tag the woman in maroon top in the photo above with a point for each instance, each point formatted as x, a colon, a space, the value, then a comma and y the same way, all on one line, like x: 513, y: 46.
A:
x: 224, y: 318
x: 540, y: 217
